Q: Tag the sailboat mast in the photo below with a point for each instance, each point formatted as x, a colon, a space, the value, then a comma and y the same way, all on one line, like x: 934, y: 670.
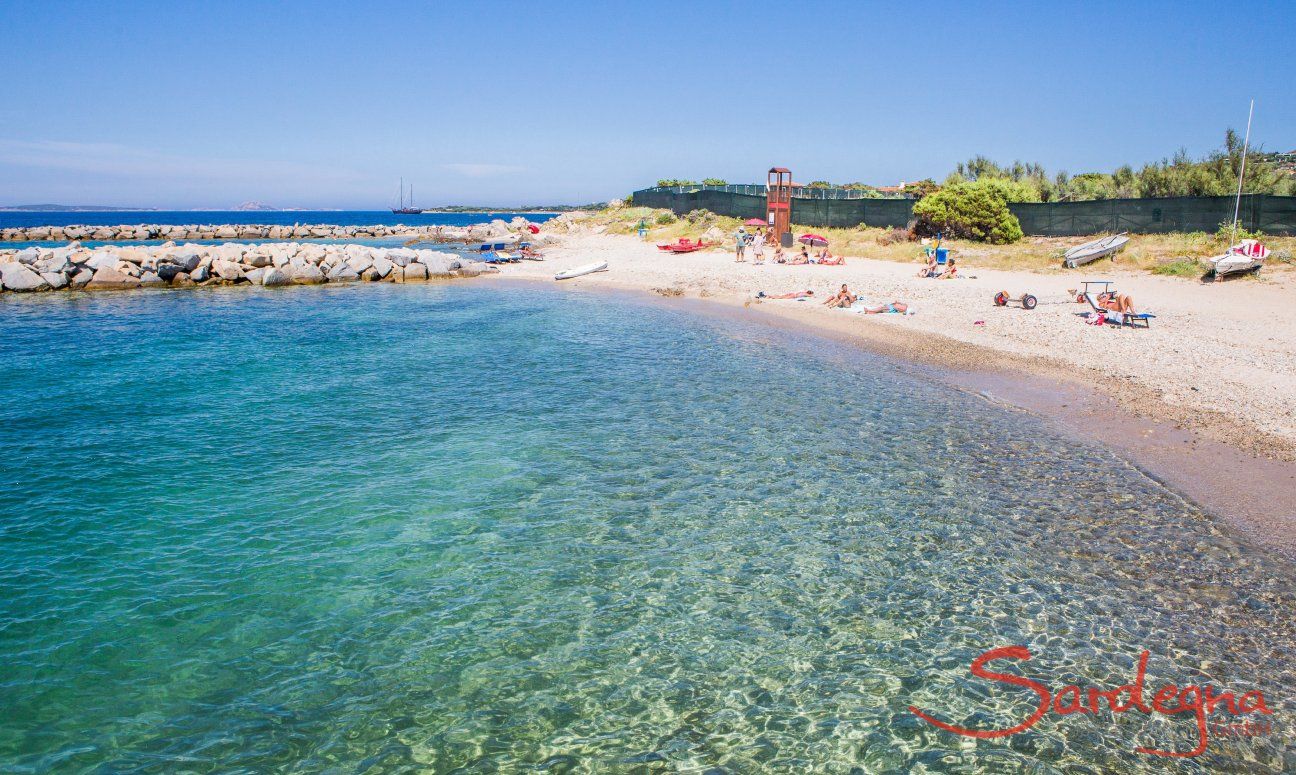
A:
x: 1237, y: 203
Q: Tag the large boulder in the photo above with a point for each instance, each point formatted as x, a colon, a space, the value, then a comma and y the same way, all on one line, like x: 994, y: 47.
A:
x: 226, y: 269
x: 56, y: 280
x: 102, y: 259
x: 414, y: 272
x: 82, y: 278
x: 274, y: 277
x: 257, y: 259
x: 382, y: 266
x: 110, y: 279
x: 149, y: 278
x: 402, y: 256
x: 438, y: 264
x: 307, y: 274
x: 342, y: 273
x: 56, y: 263
x: 28, y: 256
x: 200, y: 274
x: 21, y: 278
x: 254, y: 276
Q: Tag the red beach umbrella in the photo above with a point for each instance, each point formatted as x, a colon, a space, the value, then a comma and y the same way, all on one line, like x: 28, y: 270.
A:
x: 813, y: 239
x: 753, y: 222
x: 531, y: 227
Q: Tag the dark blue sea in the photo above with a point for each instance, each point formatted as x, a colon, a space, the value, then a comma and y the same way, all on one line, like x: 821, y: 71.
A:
x: 12, y: 219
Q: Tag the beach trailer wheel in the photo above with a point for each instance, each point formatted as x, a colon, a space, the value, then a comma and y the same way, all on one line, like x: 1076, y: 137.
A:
x: 1001, y: 299
x: 1029, y: 301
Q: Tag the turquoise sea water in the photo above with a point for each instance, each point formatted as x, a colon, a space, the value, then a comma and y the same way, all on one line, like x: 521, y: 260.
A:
x: 492, y: 528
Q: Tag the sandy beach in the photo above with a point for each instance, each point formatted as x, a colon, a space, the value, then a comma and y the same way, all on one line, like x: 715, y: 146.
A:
x: 1205, y: 399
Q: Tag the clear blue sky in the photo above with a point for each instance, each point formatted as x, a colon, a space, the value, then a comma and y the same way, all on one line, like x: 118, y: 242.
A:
x: 188, y: 104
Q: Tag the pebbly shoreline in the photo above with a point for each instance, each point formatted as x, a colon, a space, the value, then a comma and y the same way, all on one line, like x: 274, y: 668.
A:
x: 185, y: 265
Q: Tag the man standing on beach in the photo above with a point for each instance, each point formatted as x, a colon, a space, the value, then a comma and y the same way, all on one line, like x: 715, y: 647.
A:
x: 740, y: 243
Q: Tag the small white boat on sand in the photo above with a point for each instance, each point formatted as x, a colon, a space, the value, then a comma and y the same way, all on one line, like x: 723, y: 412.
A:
x: 598, y: 266
x: 1246, y: 256
x: 1092, y: 251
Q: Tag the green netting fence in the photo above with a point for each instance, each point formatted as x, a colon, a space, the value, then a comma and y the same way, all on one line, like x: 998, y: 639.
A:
x: 833, y: 208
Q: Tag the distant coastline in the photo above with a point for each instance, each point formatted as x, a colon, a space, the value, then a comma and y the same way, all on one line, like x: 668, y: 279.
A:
x: 75, y: 209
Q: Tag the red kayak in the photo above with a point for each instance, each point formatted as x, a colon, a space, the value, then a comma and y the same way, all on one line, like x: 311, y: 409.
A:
x: 683, y: 246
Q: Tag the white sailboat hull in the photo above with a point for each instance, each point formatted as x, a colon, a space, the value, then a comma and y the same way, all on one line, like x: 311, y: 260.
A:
x: 1231, y: 263
x: 599, y: 266
x: 1092, y: 251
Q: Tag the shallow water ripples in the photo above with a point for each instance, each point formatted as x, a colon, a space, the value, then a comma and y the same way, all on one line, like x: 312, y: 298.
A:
x: 478, y: 529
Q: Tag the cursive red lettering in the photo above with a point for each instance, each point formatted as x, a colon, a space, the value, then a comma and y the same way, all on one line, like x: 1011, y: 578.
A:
x: 1075, y: 706
x: 1258, y: 696
x: 978, y: 670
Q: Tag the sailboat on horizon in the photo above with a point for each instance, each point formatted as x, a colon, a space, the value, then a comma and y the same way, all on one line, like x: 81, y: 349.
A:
x: 401, y: 209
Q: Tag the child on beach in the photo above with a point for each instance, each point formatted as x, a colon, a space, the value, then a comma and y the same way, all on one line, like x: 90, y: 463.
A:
x: 779, y: 257
x: 758, y: 247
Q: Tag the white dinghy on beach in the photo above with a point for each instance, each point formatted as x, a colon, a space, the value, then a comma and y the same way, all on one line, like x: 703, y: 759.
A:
x: 1092, y: 251
x: 598, y: 266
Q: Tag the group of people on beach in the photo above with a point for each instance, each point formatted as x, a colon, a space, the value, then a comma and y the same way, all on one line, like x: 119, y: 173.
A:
x: 745, y: 241
x: 842, y: 299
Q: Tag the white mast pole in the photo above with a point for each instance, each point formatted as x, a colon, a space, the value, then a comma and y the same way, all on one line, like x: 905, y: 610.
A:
x: 1237, y: 204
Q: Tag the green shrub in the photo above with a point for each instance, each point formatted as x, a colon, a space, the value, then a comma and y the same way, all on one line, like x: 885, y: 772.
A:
x: 665, y: 218
x: 666, y: 182
x: 1225, y: 236
x: 977, y: 211
x: 1180, y: 267
x: 714, y: 182
x: 700, y: 217
x: 1011, y: 190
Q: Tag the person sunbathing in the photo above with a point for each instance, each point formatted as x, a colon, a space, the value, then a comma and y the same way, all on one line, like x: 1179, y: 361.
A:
x: 895, y: 306
x: 1117, y: 302
x: 779, y: 256
x: 951, y: 271
x: 793, y: 295
x: 843, y: 298
x: 802, y: 258
x: 827, y: 259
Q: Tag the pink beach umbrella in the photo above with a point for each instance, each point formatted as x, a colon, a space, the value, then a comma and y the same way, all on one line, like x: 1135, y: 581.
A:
x: 814, y: 240
x: 753, y: 222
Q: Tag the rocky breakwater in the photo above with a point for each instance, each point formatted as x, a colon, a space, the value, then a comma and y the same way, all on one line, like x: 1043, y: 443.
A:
x: 270, y: 264
x: 138, y: 232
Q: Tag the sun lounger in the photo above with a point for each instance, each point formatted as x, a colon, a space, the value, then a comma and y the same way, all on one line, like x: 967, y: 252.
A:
x: 1131, y: 319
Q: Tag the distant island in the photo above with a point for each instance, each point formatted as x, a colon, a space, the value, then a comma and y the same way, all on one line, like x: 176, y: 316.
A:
x: 74, y: 209
x: 258, y: 206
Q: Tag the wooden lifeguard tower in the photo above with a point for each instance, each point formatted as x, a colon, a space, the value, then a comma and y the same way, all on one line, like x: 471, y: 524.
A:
x: 778, y: 210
